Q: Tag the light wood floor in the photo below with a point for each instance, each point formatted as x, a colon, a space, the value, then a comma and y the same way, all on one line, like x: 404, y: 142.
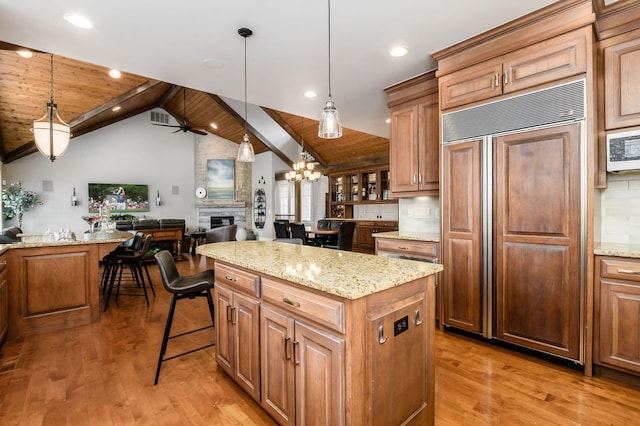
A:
x: 102, y: 374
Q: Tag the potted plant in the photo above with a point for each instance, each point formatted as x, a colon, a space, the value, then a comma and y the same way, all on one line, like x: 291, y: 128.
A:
x: 16, y: 200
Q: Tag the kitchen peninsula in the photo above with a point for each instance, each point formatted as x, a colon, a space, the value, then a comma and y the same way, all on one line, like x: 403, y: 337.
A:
x: 340, y: 337
x: 53, y: 285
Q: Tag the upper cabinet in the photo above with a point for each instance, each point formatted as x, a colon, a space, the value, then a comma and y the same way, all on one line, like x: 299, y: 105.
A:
x: 414, y: 138
x: 622, y: 81
x: 547, y: 61
x: 368, y: 185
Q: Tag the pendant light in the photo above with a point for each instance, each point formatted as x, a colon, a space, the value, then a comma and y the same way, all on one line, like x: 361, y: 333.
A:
x: 245, y: 151
x: 330, y: 127
x: 50, y: 133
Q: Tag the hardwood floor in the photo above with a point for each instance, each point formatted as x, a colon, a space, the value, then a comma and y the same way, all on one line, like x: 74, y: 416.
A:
x: 102, y: 374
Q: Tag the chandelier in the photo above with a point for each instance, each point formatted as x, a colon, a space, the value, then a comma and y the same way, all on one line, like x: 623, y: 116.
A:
x: 303, y: 169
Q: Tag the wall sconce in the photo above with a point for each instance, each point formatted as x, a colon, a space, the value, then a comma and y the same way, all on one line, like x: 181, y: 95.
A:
x: 158, y: 200
x: 74, y: 198
x: 261, y: 181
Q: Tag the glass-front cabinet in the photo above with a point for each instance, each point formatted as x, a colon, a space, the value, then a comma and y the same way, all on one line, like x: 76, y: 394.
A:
x: 362, y: 186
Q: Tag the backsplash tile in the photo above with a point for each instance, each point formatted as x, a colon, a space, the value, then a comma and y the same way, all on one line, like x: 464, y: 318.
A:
x: 419, y: 214
x: 620, y: 209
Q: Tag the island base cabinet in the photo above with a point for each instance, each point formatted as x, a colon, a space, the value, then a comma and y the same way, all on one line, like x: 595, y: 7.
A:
x: 4, y: 299
x: 237, y: 353
x: 302, y: 371
x: 397, y: 340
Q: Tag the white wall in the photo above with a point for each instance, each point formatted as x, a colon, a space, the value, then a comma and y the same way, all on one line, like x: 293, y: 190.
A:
x: 130, y: 151
x: 265, y: 168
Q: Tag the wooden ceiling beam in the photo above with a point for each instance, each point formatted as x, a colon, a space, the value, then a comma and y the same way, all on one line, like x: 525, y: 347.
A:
x: 296, y: 137
x: 222, y: 104
x: 105, y: 123
x: 168, y: 95
x: 107, y: 106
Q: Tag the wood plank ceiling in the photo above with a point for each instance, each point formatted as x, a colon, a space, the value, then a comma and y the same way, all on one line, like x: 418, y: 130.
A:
x: 86, y: 97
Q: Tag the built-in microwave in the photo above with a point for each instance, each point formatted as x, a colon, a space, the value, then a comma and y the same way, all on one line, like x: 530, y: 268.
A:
x: 623, y: 151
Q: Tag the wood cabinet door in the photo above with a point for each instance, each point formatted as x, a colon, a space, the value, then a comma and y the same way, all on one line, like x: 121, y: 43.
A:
x: 547, y: 61
x: 4, y: 303
x: 223, y: 301
x: 619, y: 325
x: 403, y: 154
x: 276, y: 348
x: 397, y: 331
x: 462, y: 285
x: 246, y: 320
x: 622, y: 85
x: 320, y: 377
x: 471, y: 84
x: 537, y: 240
x: 429, y: 143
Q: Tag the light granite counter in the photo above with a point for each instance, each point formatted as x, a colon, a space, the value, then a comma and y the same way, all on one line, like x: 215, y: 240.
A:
x: 94, y: 238
x: 341, y: 273
x: 414, y: 236
x: 618, y: 249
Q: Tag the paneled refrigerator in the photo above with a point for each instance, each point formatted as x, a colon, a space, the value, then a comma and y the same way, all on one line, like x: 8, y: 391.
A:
x: 513, y: 176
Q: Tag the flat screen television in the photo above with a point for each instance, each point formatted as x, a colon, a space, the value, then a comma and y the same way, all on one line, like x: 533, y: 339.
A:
x: 118, y: 197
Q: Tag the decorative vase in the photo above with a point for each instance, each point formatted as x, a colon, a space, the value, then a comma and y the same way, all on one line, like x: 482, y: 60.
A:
x: 241, y: 234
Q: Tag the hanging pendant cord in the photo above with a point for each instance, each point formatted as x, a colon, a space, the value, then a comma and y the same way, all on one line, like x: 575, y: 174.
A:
x: 51, y: 78
x: 245, y: 84
x: 329, y: 27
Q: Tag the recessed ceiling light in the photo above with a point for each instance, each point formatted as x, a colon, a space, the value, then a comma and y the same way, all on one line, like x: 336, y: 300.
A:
x: 213, y: 63
x: 398, y: 51
x: 388, y: 120
x: 115, y: 73
x: 116, y: 108
x: 25, y: 53
x: 214, y: 125
x: 78, y: 20
x: 310, y: 94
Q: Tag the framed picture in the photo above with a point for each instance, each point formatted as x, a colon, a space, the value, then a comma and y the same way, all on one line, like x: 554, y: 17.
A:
x: 221, y: 179
x: 118, y: 197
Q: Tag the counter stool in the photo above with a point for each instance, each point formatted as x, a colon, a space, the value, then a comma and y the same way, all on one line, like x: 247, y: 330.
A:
x: 108, y: 262
x: 182, y: 287
x: 134, y: 260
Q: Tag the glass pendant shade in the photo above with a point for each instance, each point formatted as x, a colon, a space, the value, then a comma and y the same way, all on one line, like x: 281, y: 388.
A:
x: 245, y: 151
x: 330, y: 126
x: 51, y: 134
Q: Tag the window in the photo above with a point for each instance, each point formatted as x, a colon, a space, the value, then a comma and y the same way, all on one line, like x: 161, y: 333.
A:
x: 285, y: 200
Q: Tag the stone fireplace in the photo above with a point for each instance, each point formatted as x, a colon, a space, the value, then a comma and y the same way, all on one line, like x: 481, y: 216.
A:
x: 234, y: 212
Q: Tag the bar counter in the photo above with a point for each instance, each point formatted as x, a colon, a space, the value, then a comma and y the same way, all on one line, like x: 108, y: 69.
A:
x: 53, y: 285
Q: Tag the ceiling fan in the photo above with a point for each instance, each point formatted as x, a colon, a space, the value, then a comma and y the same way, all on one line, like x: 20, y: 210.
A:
x: 184, y: 126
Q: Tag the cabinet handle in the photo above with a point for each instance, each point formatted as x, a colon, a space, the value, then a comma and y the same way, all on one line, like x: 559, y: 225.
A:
x: 3, y: 262
x: 418, y: 319
x: 505, y: 79
x: 229, y: 313
x: 496, y: 81
x: 628, y: 271
x: 287, y: 340
x: 291, y: 302
x: 413, y: 181
x: 229, y: 278
x: 381, y: 338
x: 296, y: 355
x: 419, y: 177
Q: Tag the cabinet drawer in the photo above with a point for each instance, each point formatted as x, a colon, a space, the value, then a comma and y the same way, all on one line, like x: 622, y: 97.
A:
x: 320, y: 309
x: 237, y: 279
x: 404, y: 246
x: 620, y: 269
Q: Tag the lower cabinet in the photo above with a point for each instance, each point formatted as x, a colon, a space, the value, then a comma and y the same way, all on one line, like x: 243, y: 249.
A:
x: 4, y: 298
x: 237, y: 329
x: 617, y: 314
x: 302, y: 371
x: 363, y: 241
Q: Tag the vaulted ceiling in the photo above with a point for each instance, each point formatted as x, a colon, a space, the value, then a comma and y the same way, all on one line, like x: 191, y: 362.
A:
x: 163, y: 47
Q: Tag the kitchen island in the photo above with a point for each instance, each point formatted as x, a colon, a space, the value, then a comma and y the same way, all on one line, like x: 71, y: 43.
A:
x: 326, y: 336
x: 53, y: 285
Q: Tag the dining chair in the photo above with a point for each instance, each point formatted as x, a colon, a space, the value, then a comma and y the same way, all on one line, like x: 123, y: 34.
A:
x: 345, y: 237
x: 298, y: 231
x: 182, y: 287
x: 320, y: 239
x: 281, y: 229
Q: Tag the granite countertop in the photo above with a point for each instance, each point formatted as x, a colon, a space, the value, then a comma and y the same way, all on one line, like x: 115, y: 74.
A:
x: 618, y: 249
x: 94, y: 238
x: 341, y: 273
x: 415, y: 236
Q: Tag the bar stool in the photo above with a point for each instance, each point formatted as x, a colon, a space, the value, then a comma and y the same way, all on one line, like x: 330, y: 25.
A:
x: 134, y: 260
x: 182, y: 287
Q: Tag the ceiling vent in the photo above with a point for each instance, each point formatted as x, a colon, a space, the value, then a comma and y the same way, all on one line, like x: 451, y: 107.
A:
x: 159, y: 117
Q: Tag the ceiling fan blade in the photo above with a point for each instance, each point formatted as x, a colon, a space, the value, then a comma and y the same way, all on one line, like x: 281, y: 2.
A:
x: 164, y: 125
x: 198, y: 131
x: 180, y: 129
